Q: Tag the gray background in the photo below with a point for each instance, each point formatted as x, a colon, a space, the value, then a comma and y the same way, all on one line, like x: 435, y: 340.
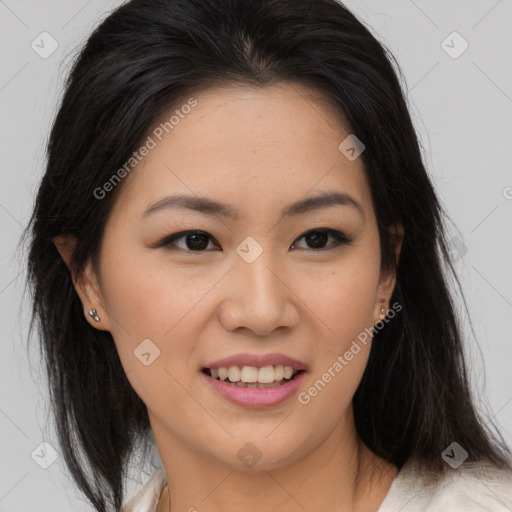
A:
x: 462, y: 108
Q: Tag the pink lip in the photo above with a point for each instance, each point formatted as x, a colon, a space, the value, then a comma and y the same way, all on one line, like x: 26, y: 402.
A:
x: 258, y: 361
x: 255, y: 397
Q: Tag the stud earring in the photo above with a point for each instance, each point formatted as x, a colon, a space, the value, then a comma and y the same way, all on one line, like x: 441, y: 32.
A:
x: 382, y: 313
x: 93, y: 315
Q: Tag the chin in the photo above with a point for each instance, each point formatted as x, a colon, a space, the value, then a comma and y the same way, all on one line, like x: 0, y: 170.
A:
x: 258, y: 454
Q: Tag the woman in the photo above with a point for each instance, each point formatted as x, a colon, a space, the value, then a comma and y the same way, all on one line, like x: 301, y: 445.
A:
x: 237, y: 250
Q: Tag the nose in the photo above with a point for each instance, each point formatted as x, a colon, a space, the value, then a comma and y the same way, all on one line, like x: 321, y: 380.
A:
x: 258, y: 298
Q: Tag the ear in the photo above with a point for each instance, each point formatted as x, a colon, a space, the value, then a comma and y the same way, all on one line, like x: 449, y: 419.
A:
x: 87, y: 286
x: 388, y: 279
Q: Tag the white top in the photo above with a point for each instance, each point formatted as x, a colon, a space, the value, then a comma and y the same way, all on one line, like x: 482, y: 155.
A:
x: 473, y: 487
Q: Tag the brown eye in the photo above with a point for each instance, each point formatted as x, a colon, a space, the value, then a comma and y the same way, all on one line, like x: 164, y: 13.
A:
x: 318, y: 238
x: 195, y: 241
x: 198, y: 241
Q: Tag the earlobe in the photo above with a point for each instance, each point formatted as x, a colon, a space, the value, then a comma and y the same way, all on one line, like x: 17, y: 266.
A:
x: 93, y: 315
x: 86, y: 286
x: 91, y: 298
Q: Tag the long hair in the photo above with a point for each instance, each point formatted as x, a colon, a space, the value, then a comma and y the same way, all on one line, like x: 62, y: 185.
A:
x: 414, y: 398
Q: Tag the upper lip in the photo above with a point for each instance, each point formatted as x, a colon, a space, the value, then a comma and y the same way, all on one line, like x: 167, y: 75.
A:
x: 273, y: 359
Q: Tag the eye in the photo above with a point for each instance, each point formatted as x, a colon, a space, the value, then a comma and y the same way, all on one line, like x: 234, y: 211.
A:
x: 194, y: 241
x: 197, y: 241
x: 318, y: 238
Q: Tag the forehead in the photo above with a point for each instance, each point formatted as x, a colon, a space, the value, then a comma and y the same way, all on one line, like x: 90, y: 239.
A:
x: 245, y: 144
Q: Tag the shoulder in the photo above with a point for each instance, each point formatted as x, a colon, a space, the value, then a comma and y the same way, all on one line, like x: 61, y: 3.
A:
x: 146, y: 499
x: 472, y: 487
x: 478, y: 487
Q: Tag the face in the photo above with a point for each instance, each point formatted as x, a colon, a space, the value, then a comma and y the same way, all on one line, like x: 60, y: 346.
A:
x: 271, y: 273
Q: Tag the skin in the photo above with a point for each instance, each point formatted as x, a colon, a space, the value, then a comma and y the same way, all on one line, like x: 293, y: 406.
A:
x: 258, y: 149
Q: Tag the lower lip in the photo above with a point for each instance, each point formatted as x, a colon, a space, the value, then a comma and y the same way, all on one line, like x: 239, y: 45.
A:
x: 255, y: 397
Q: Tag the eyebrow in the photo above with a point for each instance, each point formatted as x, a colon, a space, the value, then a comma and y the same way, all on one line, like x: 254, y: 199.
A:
x: 210, y: 207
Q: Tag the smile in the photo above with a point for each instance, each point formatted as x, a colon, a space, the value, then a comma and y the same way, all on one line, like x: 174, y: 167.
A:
x: 255, y: 394
x: 252, y: 376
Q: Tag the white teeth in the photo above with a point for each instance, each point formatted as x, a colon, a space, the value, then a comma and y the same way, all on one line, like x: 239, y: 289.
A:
x: 249, y: 374
x: 266, y: 375
x: 279, y: 372
x: 252, y: 376
x: 234, y: 373
x: 288, y: 372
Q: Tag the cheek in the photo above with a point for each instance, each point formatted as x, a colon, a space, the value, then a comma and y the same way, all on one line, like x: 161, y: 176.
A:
x: 342, y: 297
x: 343, y: 304
x: 150, y: 299
x: 329, y: 391
x: 160, y: 303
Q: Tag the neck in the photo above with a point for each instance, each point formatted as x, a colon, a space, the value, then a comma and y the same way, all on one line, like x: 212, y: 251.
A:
x: 340, y: 475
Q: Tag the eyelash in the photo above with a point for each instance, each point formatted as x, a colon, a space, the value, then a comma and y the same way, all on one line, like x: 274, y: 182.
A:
x: 341, y: 239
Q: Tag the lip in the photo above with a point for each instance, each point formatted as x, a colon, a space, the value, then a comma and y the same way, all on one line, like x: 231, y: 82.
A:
x: 255, y: 397
x: 273, y: 359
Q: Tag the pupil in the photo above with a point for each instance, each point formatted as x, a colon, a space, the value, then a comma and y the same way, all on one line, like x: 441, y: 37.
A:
x: 199, y: 241
x: 316, y: 236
